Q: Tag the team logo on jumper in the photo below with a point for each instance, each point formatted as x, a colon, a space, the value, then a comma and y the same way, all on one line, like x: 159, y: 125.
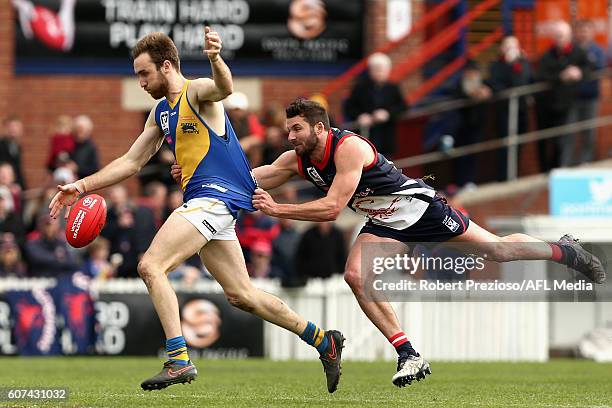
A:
x: 451, y: 224
x: 189, y: 128
x: 318, y: 180
x: 163, y: 119
x: 373, y: 209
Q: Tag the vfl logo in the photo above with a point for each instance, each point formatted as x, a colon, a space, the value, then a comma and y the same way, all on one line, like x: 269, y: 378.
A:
x: 451, y: 224
x: 163, y: 119
x: 189, y: 127
x: 315, y: 177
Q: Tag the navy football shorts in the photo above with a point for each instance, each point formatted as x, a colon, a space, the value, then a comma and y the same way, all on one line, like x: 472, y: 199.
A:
x: 439, y: 223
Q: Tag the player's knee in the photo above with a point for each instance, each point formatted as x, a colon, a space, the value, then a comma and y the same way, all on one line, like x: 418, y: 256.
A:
x: 243, y: 300
x: 147, y: 271
x: 352, y: 277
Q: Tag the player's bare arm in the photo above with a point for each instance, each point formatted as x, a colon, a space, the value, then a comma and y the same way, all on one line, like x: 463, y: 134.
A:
x: 145, y: 146
x: 278, y: 173
x: 268, y: 177
x: 220, y: 86
x: 350, y: 159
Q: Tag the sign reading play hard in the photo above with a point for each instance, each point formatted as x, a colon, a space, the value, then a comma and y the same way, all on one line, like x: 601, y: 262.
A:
x: 581, y: 193
x: 274, y: 37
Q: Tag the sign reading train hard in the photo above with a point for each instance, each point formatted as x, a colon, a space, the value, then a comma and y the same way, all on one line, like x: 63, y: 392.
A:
x: 95, y: 36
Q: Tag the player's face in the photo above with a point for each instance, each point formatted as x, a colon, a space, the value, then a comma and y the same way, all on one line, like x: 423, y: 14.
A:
x: 150, y: 78
x: 302, y: 136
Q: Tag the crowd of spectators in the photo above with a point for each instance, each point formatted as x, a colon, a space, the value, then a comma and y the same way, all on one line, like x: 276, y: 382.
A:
x: 374, y: 105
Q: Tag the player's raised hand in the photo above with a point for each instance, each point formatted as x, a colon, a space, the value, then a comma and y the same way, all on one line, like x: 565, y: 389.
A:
x: 264, y: 201
x: 212, y: 43
x: 65, y: 197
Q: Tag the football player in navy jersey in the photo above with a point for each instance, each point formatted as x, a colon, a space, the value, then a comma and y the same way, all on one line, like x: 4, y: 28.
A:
x: 397, y: 208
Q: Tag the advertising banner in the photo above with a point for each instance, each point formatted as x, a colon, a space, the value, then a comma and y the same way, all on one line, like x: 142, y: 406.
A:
x: 64, y: 319
x: 212, y: 327
x: 95, y: 36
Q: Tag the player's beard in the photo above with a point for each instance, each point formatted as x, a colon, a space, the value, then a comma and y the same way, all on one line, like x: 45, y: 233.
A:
x: 308, y: 145
x: 161, y: 90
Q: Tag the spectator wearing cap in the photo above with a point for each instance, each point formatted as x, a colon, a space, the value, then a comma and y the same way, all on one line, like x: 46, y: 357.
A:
x: 247, y: 127
x: 11, y: 263
x: 253, y: 227
x: 49, y: 255
x: 260, y: 265
x: 376, y: 104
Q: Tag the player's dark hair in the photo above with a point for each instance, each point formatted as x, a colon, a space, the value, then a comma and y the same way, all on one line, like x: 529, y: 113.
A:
x: 311, y: 111
x: 160, y: 48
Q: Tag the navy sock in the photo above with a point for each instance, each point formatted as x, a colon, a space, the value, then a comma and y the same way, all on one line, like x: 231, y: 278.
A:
x: 402, y: 345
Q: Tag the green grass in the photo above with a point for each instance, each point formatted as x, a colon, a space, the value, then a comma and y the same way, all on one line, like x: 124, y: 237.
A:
x: 114, y: 382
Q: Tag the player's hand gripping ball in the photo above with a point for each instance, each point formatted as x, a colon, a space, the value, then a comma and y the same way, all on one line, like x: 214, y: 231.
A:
x: 85, y: 221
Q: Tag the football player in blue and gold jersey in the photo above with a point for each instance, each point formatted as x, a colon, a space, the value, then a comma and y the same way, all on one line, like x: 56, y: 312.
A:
x: 217, y: 183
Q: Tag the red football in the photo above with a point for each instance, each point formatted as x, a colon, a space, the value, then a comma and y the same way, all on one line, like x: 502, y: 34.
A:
x: 85, y: 221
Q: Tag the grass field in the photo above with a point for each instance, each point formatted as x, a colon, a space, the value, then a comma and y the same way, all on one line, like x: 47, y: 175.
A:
x: 114, y: 382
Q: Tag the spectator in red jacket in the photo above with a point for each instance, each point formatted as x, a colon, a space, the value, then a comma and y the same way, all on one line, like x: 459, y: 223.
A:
x: 62, y: 143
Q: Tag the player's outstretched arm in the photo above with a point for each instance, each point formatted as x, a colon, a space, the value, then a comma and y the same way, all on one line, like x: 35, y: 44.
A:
x: 268, y: 177
x: 278, y: 173
x: 221, y: 84
x: 349, y: 165
x: 145, y: 146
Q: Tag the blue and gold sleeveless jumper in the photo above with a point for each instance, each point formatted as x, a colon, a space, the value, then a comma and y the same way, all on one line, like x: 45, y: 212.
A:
x: 213, y: 166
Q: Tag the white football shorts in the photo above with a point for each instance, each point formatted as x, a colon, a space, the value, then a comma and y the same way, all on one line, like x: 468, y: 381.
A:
x: 211, y: 217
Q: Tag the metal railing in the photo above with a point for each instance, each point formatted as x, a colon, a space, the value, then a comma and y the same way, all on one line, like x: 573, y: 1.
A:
x: 511, y: 141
